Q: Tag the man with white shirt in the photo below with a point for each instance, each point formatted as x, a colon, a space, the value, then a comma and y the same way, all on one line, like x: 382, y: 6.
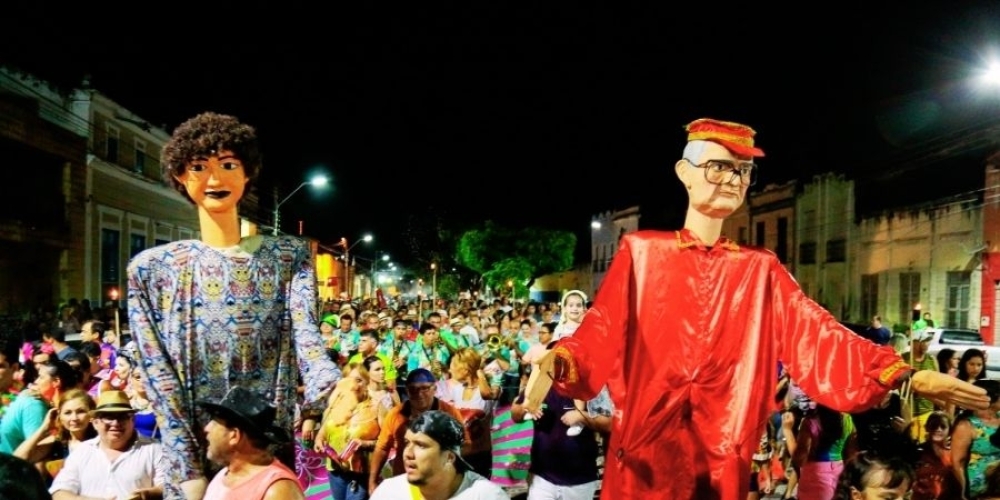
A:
x: 118, y: 463
x: 435, y: 468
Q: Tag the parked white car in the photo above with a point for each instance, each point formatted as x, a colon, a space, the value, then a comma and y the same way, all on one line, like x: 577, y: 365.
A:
x: 960, y: 340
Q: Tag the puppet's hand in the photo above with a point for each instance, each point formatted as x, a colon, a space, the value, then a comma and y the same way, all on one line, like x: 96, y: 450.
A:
x: 555, y: 365
x: 942, y: 389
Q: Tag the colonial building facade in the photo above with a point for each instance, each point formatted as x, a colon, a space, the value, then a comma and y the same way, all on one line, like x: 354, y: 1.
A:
x: 97, y: 194
x: 607, y: 229
x: 42, y: 214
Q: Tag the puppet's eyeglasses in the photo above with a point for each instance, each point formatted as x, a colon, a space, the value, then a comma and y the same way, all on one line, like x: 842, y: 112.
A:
x: 724, y: 171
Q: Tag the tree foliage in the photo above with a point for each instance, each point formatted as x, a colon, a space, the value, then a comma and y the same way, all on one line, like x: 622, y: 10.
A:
x: 448, y: 285
x: 500, y: 254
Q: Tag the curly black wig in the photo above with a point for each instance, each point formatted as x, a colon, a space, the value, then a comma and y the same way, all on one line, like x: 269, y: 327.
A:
x: 207, y: 134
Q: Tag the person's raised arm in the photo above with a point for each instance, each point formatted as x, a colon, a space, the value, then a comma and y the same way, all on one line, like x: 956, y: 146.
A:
x: 961, y: 443
x: 38, y: 445
x: 319, y: 373
x: 164, y: 376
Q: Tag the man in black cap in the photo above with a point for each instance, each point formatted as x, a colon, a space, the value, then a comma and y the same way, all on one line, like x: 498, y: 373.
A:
x: 240, y: 436
x: 435, y: 469
x: 420, y: 386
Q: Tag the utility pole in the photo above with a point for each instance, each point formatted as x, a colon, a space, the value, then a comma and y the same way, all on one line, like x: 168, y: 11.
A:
x: 276, y: 219
x: 434, y: 275
x: 347, y: 268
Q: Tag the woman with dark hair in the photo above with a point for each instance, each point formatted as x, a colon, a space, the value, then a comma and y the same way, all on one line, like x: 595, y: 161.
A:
x: 975, y: 443
x: 378, y: 390
x: 120, y: 377
x: 972, y: 366
x: 948, y: 361
x: 935, y: 479
x: 27, y: 413
x: 870, y: 477
x: 825, y: 440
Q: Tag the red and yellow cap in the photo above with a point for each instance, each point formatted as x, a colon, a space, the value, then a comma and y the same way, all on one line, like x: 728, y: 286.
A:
x: 735, y: 137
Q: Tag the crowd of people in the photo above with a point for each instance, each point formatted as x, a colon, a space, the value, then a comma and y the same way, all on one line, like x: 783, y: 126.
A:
x: 466, y: 365
x: 235, y: 383
x: 937, y: 451
x: 409, y: 372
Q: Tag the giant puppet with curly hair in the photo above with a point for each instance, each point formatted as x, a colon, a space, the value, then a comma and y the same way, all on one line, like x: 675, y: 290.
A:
x: 223, y: 311
x: 687, y: 330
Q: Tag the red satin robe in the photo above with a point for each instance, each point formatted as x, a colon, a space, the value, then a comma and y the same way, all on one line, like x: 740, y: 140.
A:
x: 688, y: 340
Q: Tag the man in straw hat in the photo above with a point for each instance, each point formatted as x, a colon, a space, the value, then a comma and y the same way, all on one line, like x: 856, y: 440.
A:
x: 118, y: 463
x: 435, y: 468
x: 240, y: 436
x: 691, y: 326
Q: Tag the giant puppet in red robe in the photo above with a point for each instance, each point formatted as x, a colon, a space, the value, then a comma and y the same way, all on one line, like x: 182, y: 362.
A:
x: 687, y: 331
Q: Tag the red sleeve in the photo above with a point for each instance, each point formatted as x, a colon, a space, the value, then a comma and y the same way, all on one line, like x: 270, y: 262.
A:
x: 593, y: 351
x: 832, y: 365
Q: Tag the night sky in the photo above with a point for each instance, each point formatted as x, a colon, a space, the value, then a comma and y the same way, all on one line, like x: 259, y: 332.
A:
x: 535, y: 114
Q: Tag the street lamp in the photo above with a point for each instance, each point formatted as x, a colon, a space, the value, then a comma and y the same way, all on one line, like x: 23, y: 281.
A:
x: 991, y: 76
x: 316, y: 181
x: 347, y: 260
x: 385, y: 257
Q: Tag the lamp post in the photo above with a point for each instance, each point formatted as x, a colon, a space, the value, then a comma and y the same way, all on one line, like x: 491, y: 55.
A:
x: 316, y: 181
x: 384, y: 257
x: 347, y: 260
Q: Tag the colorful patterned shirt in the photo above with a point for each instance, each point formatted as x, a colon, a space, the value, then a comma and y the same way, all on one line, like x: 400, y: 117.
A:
x: 206, y: 320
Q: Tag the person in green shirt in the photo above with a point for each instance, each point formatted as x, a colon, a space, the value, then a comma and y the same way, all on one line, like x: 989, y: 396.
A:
x: 368, y: 346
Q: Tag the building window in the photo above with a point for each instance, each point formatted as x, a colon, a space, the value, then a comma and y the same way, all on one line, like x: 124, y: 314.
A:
x: 836, y: 251
x: 111, y: 145
x: 909, y: 294
x: 159, y: 242
x: 759, y: 234
x: 136, y: 244
x: 869, y: 295
x: 744, y: 238
x: 782, y: 249
x: 140, y: 156
x: 959, y: 290
x: 110, y: 260
x: 807, y: 253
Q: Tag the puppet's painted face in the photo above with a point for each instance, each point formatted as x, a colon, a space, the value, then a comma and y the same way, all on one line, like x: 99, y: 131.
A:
x: 712, y: 200
x: 216, y: 182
